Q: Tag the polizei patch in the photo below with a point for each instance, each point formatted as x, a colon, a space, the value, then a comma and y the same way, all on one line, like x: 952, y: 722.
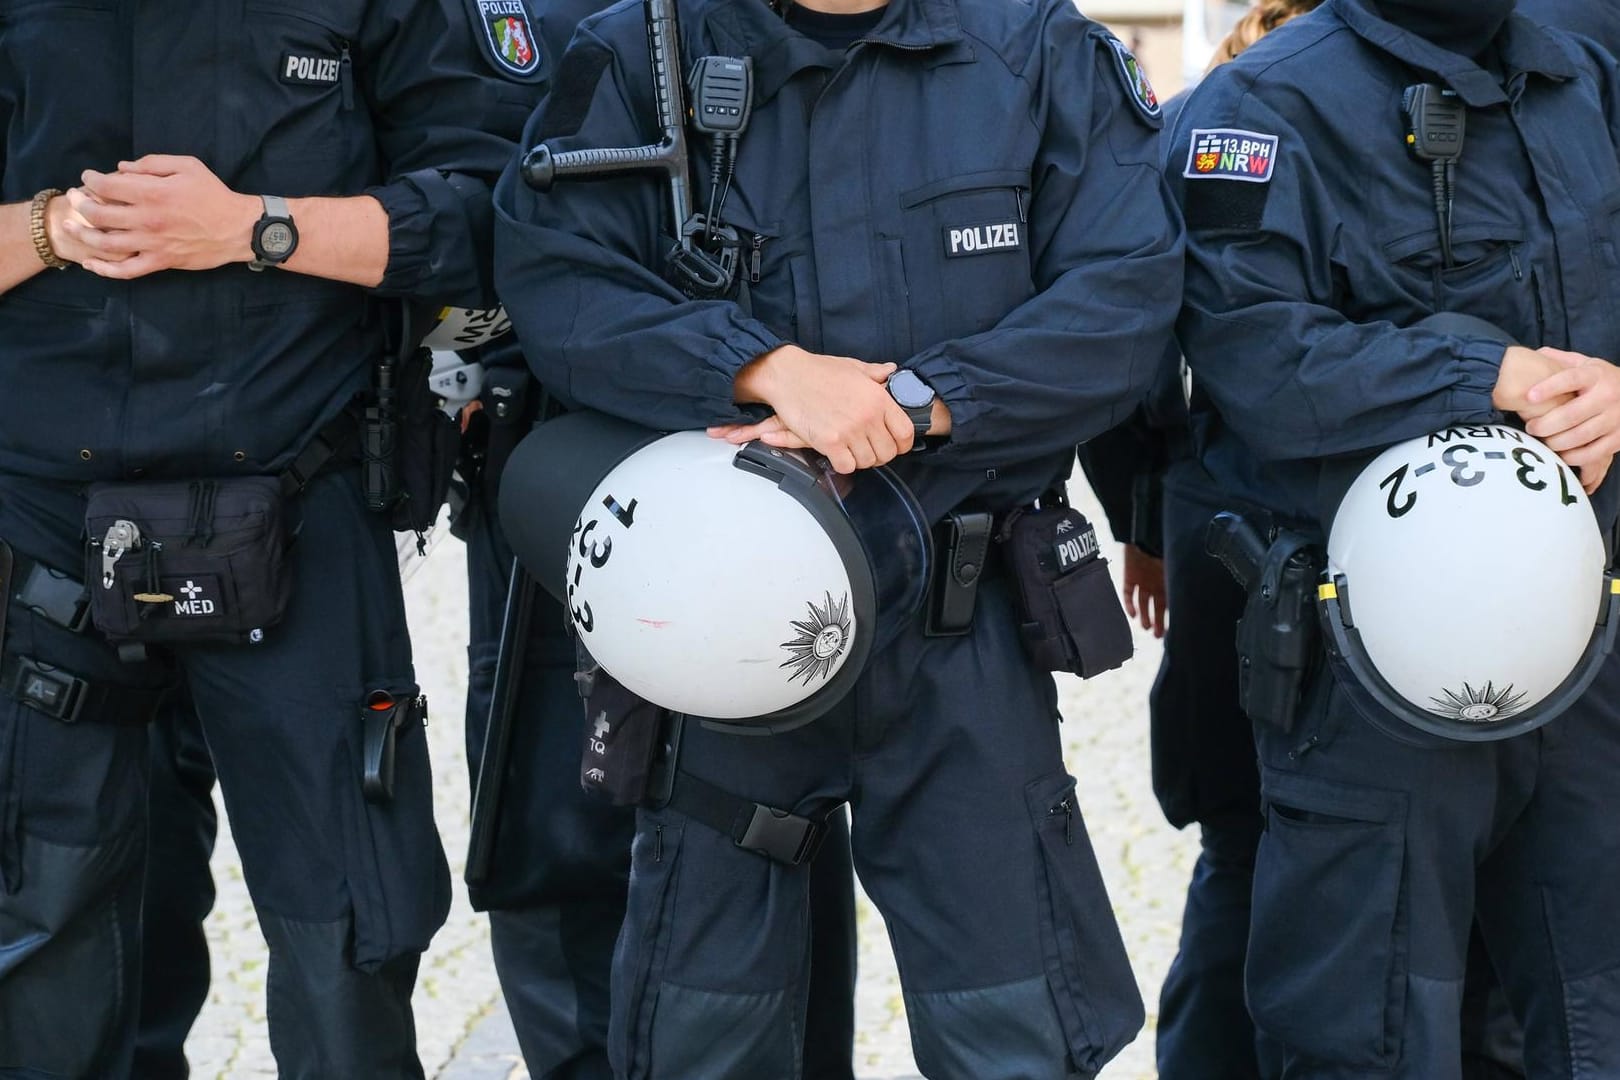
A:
x: 1231, y: 154
x: 308, y: 70
x: 507, y: 35
x: 964, y: 240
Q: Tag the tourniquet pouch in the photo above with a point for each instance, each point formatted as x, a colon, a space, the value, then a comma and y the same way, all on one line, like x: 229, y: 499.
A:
x: 1070, y: 617
x: 621, y: 739
x: 186, y: 561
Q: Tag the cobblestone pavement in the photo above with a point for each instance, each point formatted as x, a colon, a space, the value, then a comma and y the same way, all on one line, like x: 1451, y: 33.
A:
x: 463, y: 1030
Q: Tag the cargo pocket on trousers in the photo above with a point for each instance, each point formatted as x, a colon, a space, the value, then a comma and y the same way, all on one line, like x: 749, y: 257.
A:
x: 643, y: 943
x: 1086, y: 965
x: 398, y: 881
x: 1326, y: 971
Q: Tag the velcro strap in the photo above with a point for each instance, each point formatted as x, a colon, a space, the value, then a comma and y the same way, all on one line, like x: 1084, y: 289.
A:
x: 64, y: 696
x: 776, y: 834
x: 336, y: 436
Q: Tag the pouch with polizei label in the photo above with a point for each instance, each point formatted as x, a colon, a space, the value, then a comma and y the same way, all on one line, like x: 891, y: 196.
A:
x: 1070, y: 617
x: 201, y: 560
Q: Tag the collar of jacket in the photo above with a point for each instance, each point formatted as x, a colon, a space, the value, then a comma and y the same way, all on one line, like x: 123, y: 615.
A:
x: 752, y: 28
x: 1527, y: 49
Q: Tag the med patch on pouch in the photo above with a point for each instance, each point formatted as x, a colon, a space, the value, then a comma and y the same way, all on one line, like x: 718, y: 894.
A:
x: 505, y: 35
x: 1231, y: 154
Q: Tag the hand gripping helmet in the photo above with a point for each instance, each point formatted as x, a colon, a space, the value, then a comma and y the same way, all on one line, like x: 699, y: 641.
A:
x: 1466, y: 594
x: 743, y: 587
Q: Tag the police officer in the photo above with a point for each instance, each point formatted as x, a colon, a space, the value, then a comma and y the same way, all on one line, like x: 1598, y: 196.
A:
x: 1309, y: 262
x: 559, y: 872
x: 556, y: 885
x: 877, y: 133
x: 140, y: 345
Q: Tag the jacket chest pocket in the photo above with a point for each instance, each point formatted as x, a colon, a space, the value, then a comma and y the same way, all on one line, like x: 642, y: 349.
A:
x: 54, y: 56
x: 307, y: 123
x: 1492, y: 275
x: 965, y: 253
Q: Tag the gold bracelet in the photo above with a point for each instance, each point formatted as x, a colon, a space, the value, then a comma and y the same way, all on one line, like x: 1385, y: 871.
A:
x: 36, y: 230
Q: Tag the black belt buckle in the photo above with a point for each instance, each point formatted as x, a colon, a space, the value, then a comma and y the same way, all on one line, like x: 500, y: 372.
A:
x: 964, y: 547
x: 781, y: 836
x: 54, y: 595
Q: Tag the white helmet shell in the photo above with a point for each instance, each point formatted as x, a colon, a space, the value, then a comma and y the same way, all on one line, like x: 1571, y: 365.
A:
x: 695, y: 607
x: 1470, y: 567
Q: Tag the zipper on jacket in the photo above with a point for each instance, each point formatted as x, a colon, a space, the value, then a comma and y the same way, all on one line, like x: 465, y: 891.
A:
x: 1513, y: 257
x: 346, y: 76
x: 754, y: 258
x: 1023, y: 214
x: 1066, y: 808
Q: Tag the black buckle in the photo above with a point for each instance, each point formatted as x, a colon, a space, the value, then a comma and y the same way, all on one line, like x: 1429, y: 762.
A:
x: 781, y: 836
x: 53, y: 595
x: 45, y: 689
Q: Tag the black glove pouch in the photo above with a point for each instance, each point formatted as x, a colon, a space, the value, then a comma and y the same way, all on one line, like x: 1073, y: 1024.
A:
x: 205, y: 560
x: 1070, y: 617
x: 622, y: 737
x: 1277, y: 635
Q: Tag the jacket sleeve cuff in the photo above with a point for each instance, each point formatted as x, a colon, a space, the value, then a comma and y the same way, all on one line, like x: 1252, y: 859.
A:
x: 1479, y: 362
x: 440, y: 235
x: 747, y: 342
x: 940, y: 373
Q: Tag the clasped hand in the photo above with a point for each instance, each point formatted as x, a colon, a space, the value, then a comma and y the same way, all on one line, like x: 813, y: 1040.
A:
x: 1569, y: 401
x: 835, y: 405
x: 162, y: 212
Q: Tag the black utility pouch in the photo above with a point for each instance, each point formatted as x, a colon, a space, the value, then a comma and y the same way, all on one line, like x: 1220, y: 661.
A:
x: 204, y: 560
x: 1277, y: 635
x: 962, y: 544
x: 1070, y: 617
x: 622, y: 733
x: 429, y: 444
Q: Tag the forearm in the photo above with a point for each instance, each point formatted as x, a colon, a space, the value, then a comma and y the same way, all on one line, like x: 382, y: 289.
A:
x: 18, y: 259
x: 342, y: 239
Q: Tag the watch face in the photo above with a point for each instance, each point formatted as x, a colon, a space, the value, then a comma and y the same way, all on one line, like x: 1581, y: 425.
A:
x: 276, y: 239
x: 909, y: 391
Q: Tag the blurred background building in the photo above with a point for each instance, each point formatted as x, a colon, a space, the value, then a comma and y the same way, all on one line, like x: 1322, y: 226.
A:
x: 1172, y: 38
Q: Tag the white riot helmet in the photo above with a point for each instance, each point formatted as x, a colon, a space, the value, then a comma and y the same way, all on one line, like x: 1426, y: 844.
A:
x: 1466, y: 594
x: 740, y: 586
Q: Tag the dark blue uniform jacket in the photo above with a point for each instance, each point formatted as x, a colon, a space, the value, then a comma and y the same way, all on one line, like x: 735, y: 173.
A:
x: 973, y: 191
x: 178, y: 373
x: 1597, y: 19
x: 1305, y: 279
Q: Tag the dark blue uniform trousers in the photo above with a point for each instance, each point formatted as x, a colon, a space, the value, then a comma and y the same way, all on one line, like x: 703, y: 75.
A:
x: 967, y: 836
x: 556, y: 895
x: 1375, y: 857
x: 1204, y: 771
x: 179, y: 891
x: 348, y: 893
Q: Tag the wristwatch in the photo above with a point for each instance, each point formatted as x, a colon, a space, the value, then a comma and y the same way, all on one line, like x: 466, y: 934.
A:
x: 915, y: 397
x: 275, y: 237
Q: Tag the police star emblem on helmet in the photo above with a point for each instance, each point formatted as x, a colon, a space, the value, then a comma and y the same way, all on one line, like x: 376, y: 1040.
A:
x: 1478, y: 706
x: 822, y: 639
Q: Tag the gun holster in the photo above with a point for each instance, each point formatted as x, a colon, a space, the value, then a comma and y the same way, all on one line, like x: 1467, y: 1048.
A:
x: 1277, y: 637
